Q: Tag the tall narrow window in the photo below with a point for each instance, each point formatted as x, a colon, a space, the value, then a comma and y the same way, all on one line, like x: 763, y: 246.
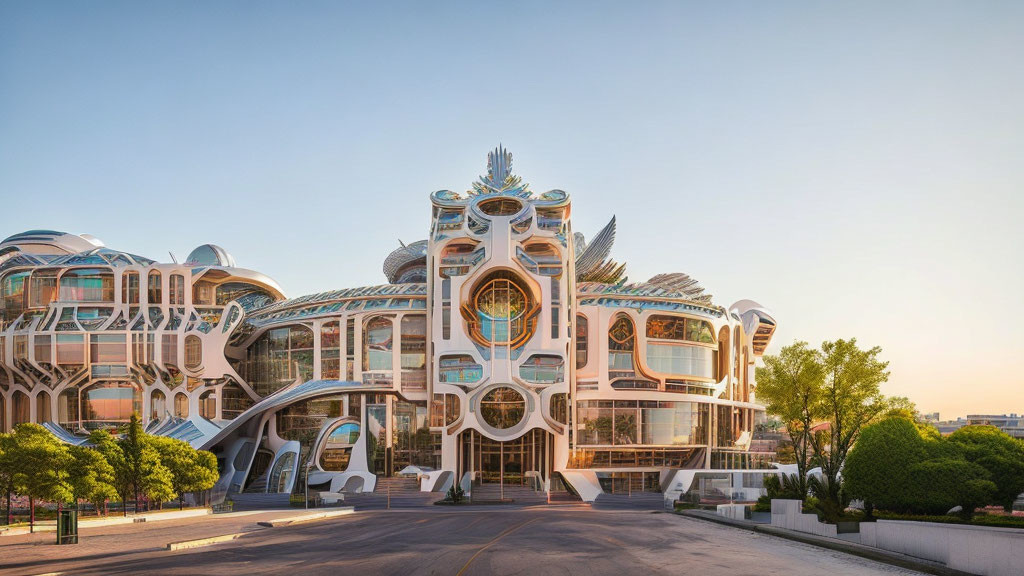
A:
x: 330, y: 351
x: 177, y: 290
x: 130, y: 287
x: 446, y: 308
x: 414, y: 352
x: 350, y: 348
x: 377, y: 344
x: 154, y: 291
x: 555, y: 308
x: 193, y: 352
x: 181, y: 405
x: 581, y: 341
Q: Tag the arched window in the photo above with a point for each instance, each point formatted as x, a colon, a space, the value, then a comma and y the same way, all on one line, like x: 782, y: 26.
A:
x: 723, y: 354
x: 279, y: 357
x: 193, y: 352
x: 157, y: 405
x: 378, y: 340
x: 208, y: 405
x: 621, y: 343
x: 67, y: 409
x: 181, y: 405
x: 43, y: 408
x: 581, y: 340
x: 21, y: 410
x: 502, y: 312
x: 336, y: 449
x: 177, y: 290
x: 155, y: 292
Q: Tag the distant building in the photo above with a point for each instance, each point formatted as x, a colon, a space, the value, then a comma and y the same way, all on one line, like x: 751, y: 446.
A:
x: 1012, y: 424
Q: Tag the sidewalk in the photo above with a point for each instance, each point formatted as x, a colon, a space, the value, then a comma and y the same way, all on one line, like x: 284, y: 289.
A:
x: 86, y: 523
x: 892, y: 558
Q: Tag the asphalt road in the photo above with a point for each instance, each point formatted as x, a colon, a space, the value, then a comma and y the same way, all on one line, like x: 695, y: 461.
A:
x: 477, y: 541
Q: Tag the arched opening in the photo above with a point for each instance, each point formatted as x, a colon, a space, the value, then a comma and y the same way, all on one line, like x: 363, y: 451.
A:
x: 501, y: 206
x: 43, y: 413
x: 501, y: 312
x: 21, y: 409
x: 378, y: 341
x: 154, y: 293
x: 157, y: 405
x: 67, y: 410
x: 722, y: 371
x: 181, y: 405
x: 336, y: 449
x: 193, y: 352
x: 208, y: 405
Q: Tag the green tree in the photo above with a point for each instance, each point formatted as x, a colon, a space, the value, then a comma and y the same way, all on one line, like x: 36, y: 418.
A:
x: 850, y: 399
x: 937, y: 486
x: 143, y: 471
x: 877, y: 469
x: 91, y: 477
x: 8, y: 468
x: 998, y: 453
x: 790, y: 384
x: 107, y: 445
x: 191, y: 470
x: 42, y: 466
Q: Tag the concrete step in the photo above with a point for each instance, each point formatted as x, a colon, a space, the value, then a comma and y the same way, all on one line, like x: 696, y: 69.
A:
x: 634, y: 501
x: 251, y: 501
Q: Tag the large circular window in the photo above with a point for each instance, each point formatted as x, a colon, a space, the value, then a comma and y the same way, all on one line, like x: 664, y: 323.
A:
x: 502, y: 206
x: 501, y: 307
x: 502, y: 408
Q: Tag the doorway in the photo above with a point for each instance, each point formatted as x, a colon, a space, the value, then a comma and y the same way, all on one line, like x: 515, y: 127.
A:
x: 524, y: 461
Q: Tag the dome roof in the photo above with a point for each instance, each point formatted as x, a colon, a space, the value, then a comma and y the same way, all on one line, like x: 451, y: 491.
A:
x: 210, y: 255
x: 51, y: 242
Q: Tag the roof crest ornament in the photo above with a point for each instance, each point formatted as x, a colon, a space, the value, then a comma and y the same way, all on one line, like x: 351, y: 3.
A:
x: 499, y: 178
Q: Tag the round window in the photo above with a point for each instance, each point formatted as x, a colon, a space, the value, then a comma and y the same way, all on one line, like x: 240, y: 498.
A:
x: 502, y: 408
x: 501, y: 305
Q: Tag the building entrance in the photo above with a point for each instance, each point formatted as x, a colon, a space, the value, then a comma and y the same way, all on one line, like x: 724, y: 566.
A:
x: 525, y: 461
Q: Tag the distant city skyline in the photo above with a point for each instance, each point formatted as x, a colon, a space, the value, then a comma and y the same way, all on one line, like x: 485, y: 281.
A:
x: 870, y: 152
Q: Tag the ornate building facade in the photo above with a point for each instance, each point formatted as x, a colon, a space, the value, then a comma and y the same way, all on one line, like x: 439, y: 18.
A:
x: 505, y: 349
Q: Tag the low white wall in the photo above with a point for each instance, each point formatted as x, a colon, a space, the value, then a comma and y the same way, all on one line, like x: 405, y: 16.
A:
x: 734, y: 511
x: 789, y: 514
x: 974, y: 549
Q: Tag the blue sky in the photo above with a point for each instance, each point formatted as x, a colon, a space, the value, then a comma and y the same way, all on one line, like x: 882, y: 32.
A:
x: 854, y: 167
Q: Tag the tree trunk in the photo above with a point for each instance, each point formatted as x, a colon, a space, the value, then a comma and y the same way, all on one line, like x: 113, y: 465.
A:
x: 10, y: 515
x: 31, y: 514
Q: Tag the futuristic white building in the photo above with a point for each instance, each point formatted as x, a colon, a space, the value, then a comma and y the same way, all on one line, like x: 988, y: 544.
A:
x: 505, y: 351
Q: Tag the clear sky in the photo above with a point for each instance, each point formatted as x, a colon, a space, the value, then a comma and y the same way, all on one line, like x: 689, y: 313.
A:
x: 858, y: 168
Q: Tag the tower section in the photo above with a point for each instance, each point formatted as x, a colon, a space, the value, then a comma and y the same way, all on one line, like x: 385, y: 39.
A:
x: 500, y: 269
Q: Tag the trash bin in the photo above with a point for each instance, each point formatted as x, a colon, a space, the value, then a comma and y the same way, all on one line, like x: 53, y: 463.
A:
x: 67, y: 527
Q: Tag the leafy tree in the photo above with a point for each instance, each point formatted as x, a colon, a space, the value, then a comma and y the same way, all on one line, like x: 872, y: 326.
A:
x: 107, y: 445
x: 91, y: 477
x: 877, y: 470
x: 998, y: 453
x: 143, y: 471
x: 8, y: 466
x: 42, y: 466
x: 937, y: 486
x: 790, y: 385
x: 191, y: 470
x: 850, y: 399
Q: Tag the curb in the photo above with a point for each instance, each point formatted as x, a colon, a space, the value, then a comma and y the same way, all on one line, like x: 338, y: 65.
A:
x: 883, y: 556
x: 204, y: 541
x: 307, y: 517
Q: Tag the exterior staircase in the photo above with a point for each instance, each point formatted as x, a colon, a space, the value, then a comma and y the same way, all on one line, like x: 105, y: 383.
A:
x: 405, y: 493
x: 634, y: 501
x: 522, y: 495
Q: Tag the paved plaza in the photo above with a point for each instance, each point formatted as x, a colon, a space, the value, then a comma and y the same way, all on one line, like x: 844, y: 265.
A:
x: 470, y: 541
